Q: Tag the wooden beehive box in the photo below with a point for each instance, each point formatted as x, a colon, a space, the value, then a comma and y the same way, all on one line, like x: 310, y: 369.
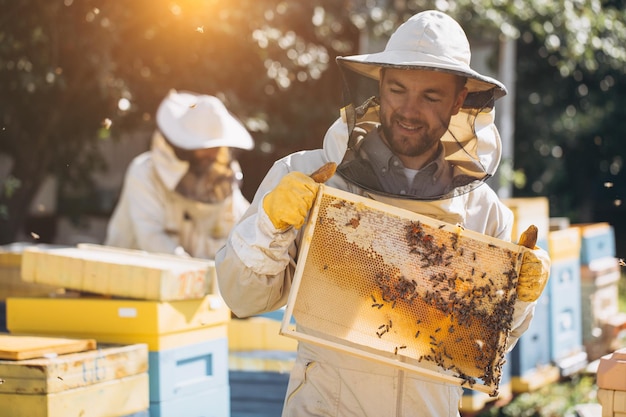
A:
x: 396, y: 287
x: 11, y: 283
x: 107, y: 381
x: 120, y: 272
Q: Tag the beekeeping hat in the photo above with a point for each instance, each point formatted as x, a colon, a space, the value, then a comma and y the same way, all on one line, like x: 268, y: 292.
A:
x: 429, y: 40
x: 193, y: 121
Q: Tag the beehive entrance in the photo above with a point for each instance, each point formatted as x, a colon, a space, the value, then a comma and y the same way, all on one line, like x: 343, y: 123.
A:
x: 405, y: 289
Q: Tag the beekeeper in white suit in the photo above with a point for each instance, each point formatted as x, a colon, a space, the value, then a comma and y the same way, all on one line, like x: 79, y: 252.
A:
x: 182, y: 196
x: 426, y: 142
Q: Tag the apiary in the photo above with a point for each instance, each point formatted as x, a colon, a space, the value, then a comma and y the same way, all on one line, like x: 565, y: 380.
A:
x: 400, y: 288
x: 119, y: 272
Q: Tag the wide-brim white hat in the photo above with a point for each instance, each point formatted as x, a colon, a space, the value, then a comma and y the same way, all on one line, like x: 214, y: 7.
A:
x: 196, y: 121
x: 429, y: 40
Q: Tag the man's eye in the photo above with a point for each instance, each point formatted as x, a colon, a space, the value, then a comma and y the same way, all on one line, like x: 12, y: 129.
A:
x: 432, y: 99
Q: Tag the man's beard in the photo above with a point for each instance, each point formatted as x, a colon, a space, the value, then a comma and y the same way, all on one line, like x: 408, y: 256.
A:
x: 407, y: 146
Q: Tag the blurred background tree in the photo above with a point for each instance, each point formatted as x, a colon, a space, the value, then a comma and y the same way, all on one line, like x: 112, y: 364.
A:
x: 73, y: 72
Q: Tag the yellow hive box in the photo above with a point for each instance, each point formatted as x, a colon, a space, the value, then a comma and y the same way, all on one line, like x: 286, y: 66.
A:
x: 120, y: 272
x: 564, y: 244
x: 258, y: 333
x: 119, y: 397
x: 527, y: 211
x: 262, y: 361
x: 11, y: 283
x: 155, y: 342
x: 392, y: 286
x: 73, y: 370
x: 157, y: 323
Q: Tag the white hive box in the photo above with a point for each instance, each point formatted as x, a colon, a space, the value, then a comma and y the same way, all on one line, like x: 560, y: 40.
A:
x: 396, y: 287
x: 120, y: 272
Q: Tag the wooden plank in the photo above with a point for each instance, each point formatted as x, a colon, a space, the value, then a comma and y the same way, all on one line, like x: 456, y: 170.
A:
x: 27, y: 347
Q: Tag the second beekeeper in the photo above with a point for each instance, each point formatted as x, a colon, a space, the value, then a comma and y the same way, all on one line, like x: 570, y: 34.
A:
x: 183, y: 195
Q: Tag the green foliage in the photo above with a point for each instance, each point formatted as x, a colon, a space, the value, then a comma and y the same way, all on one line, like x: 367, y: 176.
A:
x: 552, y: 400
x: 68, y: 67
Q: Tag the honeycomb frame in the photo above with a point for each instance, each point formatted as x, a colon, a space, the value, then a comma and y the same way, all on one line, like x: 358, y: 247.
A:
x: 396, y: 287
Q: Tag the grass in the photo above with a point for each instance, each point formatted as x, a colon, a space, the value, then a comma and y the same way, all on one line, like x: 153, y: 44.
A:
x: 559, y: 399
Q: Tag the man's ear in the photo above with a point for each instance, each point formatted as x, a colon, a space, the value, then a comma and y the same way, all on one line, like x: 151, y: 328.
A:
x: 460, y: 99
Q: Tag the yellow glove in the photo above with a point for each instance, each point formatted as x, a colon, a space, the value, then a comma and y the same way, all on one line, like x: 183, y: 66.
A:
x: 289, y: 203
x: 535, y: 270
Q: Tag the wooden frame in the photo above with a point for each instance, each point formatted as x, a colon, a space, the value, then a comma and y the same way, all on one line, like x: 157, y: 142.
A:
x: 403, y: 289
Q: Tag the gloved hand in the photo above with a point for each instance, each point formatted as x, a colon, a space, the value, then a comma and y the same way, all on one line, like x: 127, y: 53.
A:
x: 535, y: 269
x: 289, y: 203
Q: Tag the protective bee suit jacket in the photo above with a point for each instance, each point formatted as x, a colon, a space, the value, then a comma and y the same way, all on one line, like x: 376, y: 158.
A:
x: 151, y: 216
x: 256, y: 266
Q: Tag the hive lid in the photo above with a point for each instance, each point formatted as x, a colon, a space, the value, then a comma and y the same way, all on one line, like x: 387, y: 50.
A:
x: 15, y: 347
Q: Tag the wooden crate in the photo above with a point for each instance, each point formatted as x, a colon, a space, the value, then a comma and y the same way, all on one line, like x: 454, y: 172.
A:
x: 118, y: 397
x: 120, y: 272
x: 73, y: 370
x: 404, y: 289
x: 613, y: 402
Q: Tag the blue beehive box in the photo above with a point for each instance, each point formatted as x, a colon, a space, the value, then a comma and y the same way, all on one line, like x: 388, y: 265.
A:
x: 532, y: 350
x: 564, y: 289
x: 189, y: 378
x: 565, y: 310
x: 597, y: 241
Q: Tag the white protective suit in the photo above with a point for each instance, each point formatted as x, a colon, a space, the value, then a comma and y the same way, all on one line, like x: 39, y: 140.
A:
x: 151, y: 216
x: 255, y: 271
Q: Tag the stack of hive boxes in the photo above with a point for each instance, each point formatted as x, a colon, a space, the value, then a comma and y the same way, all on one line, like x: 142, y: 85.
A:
x: 127, y: 297
x: 600, y: 275
x: 53, y: 377
x: 531, y: 364
x: 564, y: 289
x: 260, y: 360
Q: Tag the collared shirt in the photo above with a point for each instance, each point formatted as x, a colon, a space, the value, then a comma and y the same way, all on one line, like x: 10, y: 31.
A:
x: 375, y: 167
